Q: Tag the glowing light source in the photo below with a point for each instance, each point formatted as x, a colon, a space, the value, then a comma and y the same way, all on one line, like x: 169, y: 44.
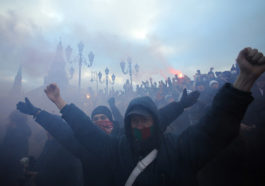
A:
x: 180, y: 75
x: 87, y: 96
x: 176, y: 72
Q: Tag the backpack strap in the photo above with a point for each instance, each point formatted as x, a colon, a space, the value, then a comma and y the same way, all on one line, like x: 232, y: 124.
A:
x: 141, y: 165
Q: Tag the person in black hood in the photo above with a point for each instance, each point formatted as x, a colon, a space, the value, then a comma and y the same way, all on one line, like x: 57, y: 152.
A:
x: 123, y: 154
x: 92, y: 169
x: 142, y: 125
x: 176, y: 159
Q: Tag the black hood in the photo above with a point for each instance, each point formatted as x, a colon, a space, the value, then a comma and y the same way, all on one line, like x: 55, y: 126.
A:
x: 146, y: 103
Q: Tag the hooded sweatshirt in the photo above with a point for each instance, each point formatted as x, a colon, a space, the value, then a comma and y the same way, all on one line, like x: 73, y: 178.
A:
x: 179, y: 158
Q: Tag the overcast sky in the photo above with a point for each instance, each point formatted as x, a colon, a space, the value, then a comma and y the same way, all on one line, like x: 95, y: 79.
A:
x: 157, y: 34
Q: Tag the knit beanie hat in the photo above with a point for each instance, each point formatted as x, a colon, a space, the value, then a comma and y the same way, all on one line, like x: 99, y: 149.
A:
x: 102, y: 110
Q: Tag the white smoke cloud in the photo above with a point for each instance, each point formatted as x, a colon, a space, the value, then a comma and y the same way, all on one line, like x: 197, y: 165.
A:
x: 158, y: 35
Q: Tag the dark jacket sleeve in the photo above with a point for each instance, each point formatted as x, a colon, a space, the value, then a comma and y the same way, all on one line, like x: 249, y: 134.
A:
x: 59, y: 129
x: 118, y: 123
x: 216, y: 130
x: 117, y: 115
x: 88, y: 134
x: 168, y: 114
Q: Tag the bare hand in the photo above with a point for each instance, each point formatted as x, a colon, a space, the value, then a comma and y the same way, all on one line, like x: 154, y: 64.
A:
x: 251, y: 62
x: 53, y: 92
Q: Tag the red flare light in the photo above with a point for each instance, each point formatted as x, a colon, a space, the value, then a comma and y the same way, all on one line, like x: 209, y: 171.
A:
x: 176, y: 72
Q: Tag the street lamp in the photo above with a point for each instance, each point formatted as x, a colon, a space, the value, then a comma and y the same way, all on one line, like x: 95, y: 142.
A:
x: 129, y: 69
x: 106, y: 79
x: 82, y: 60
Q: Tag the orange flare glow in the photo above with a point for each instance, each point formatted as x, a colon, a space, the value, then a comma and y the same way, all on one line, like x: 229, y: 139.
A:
x: 176, y: 72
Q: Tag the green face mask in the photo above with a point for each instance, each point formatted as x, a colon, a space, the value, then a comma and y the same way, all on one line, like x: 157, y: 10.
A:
x: 143, y: 133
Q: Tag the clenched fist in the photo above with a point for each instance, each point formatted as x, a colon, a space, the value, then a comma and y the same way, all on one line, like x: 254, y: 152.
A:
x: 252, y: 64
x: 53, y: 93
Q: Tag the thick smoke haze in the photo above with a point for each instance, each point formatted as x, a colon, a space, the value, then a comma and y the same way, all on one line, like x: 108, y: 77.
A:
x: 164, y: 37
x: 157, y: 35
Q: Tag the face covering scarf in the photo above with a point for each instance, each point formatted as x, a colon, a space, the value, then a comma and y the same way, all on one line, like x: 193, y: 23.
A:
x: 105, y: 125
x: 143, y: 134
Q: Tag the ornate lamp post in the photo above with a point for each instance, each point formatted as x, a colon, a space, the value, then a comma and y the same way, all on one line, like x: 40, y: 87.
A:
x: 82, y: 60
x: 106, y: 79
x: 129, y: 69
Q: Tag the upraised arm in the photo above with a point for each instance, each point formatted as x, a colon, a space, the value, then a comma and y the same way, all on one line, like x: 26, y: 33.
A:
x: 62, y: 132
x: 53, y: 93
x: 173, y: 110
x: 55, y: 125
x: 89, y: 135
x: 252, y: 64
x: 116, y: 113
x: 220, y: 126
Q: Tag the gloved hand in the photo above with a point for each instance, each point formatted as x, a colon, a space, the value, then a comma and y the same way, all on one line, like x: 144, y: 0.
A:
x: 189, y: 100
x: 111, y: 101
x: 27, y: 107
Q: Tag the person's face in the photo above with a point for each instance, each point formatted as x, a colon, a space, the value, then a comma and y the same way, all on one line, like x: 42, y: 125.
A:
x: 140, y: 122
x: 100, y: 117
x: 101, y: 121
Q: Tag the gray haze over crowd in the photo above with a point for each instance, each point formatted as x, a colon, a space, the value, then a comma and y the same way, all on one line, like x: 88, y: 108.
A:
x: 158, y: 35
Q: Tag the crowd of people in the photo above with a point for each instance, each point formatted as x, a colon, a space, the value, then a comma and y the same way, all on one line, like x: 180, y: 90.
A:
x: 178, y: 131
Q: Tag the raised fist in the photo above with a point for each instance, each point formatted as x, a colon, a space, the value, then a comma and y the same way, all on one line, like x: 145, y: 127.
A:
x: 251, y: 63
x: 53, y: 92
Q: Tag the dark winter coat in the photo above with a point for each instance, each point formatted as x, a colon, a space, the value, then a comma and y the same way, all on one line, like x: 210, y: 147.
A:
x: 92, y: 165
x: 59, y: 129
x: 256, y: 110
x: 179, y: 158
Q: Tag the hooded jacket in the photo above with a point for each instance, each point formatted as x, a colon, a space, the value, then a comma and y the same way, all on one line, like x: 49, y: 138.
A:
x: 93, y: 164
x: 179, y: 158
